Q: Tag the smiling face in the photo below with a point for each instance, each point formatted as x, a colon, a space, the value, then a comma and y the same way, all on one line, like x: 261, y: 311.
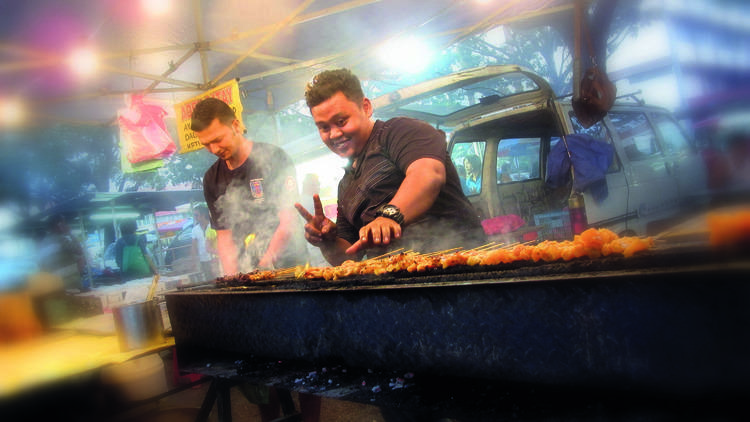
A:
x: 344, y: 125
x: 221, y: 140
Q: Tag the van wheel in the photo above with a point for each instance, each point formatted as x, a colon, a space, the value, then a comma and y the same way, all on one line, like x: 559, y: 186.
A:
x: 628, y: 233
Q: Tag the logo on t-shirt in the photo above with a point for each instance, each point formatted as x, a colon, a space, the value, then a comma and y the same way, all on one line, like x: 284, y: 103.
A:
x: 290, y: 184
x: 256, y: 188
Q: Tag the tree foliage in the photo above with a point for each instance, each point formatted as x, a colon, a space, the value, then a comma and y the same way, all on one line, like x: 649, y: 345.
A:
x: 47, y: 166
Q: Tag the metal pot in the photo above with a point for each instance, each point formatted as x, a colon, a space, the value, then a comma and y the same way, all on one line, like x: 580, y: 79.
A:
x: 138, y: 325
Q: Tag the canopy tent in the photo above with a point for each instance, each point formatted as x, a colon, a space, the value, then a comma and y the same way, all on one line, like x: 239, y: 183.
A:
x: 272, y: 48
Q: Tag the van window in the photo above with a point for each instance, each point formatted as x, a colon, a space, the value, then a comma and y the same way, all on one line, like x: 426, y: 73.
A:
x: 673, y: 139
x: 518, y: 159
x: 637, y: 137
x: 468, y: 157
x: 597, y: 131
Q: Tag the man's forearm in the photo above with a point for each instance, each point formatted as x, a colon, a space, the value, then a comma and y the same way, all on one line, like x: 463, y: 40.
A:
x: 280, y: 238
x: 277, y: 244
x: 421, y: 186
x: 227, y: 251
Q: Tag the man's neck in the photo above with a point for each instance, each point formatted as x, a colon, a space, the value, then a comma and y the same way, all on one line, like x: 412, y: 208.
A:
x: 243, y: 152
x: 355, y: 158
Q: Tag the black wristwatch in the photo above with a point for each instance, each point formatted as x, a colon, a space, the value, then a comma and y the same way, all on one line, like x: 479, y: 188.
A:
x: 390, y: 211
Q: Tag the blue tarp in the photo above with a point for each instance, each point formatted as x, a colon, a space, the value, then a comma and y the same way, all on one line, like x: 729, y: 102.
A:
x: 591, y: 159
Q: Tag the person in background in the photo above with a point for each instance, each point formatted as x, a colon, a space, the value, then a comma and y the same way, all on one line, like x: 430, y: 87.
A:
x: 473, y: 168
x: 505, y: 175
x: 132, y: 256
x: 399, y: 179
x: 250, y: 191
x: 738, y: 148
x: 211, y: 248
x: 200, y: 252
x: 461, y: 175
x: 60, y: 253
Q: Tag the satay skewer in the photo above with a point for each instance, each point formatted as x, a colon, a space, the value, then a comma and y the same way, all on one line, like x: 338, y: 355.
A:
x: 394, y: 252
x: 286, y: 270
x: 443, y: 252
x: 495, y: 247
x: 484, y: 247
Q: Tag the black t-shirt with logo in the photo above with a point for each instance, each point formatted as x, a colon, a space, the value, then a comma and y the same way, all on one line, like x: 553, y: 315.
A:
x: 247, y: 201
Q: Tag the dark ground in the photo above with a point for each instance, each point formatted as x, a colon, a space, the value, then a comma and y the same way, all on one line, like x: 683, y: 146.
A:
x: 379, y: 396
x: 375, y: 396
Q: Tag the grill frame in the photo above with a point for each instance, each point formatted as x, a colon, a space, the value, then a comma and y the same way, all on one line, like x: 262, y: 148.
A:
x: 615, y: 323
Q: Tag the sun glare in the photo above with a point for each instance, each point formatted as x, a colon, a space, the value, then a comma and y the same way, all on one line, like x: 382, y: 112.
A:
x: 407, y: 55
x: 156, y: 7
x: 12, y: 112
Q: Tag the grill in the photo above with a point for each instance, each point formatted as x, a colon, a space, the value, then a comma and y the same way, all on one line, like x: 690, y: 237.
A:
x: 674, y: 320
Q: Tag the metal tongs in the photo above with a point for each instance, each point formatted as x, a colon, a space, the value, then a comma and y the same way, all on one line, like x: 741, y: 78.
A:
x: 152, y: 289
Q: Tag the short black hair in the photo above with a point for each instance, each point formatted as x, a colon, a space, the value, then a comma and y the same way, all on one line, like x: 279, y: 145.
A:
x: 54, y: 220
x: 128, y: 227
x: 209, y: 109
x: 328, y: 82
x: 201, y: 210
x: 474, y: 160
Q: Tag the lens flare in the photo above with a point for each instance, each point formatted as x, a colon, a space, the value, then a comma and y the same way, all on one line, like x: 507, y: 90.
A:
x: 83, y: 61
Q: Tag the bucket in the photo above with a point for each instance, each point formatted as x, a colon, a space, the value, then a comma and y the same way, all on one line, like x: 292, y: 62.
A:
x: 138, y: 325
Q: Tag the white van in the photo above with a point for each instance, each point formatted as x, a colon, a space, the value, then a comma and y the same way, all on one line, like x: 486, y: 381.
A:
x: 511, y: 120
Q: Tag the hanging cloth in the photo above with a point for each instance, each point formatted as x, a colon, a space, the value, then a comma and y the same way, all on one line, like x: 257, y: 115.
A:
x: 590, y: 159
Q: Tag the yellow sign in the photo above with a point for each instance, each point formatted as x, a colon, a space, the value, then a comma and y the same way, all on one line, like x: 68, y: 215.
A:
x: 229, y: 92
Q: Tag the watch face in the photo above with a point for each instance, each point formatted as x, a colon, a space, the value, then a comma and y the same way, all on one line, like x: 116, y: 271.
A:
x: 392, y: 212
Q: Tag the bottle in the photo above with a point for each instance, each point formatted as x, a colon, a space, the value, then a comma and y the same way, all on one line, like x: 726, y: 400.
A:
x: 577, y: 209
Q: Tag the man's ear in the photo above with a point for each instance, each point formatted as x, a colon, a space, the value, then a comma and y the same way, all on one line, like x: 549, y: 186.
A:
x: 236, y: 127
x: 367, y: 106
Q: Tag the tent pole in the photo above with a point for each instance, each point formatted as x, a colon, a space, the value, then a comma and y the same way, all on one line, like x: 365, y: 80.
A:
x: 578, y: 17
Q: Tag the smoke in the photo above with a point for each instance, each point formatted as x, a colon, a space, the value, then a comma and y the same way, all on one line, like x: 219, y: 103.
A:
x: 434, y: 234
x: 250, y: 207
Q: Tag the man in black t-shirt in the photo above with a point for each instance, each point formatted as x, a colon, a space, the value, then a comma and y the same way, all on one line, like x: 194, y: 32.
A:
x: 250, y: 192
x: 399, y: 179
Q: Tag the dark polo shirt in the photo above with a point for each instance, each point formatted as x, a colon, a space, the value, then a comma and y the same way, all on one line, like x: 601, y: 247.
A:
x: 372, y: 179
